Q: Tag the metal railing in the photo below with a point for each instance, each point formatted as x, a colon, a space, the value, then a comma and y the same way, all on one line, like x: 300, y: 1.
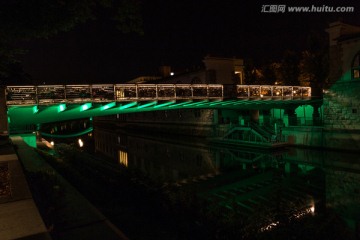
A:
x: 52, y: 94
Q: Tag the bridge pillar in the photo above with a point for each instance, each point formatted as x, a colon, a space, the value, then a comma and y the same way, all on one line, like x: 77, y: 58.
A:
x: 216, y: 116
x: 290, y: 118
x: 316, y: 115
x: 4, y: 131
x: 254, y: 116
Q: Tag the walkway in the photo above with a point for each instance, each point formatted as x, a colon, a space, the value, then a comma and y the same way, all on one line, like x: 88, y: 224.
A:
x: 19, y: 216
x: 78, y: 219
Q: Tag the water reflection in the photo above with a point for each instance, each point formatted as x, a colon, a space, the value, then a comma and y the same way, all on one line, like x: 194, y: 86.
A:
x: 266, y: 187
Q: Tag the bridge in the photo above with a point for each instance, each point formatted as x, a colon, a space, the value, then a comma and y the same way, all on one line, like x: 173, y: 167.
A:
x: 29, y: 105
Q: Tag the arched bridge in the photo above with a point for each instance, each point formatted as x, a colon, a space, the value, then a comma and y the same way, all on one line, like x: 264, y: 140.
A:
x: 28, y: 105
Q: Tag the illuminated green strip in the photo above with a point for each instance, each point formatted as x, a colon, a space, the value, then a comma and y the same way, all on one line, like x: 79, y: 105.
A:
x: 180, y: 104
x: 216, y: 103
x: 164, y: 104
x: 86, y: 131
x: 107, y: 106
x: 202, y: 103
x: 85, y: 107
x: 128, y: 105
x: 146, y: 105
x: 194, y: 104
x: 229, y: 102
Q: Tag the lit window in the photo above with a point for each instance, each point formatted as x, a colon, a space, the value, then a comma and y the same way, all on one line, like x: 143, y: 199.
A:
x: 356, y: 66
x: 123, y: 158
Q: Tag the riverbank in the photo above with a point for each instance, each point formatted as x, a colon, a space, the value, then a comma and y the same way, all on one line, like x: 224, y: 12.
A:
x: 66, y: 213
x: 19, y: 216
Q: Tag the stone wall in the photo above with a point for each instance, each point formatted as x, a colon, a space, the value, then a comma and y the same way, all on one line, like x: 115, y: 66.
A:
x: 342, y: 106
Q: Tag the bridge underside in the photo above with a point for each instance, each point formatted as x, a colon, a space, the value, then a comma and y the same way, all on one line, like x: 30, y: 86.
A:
x: 22, y: 116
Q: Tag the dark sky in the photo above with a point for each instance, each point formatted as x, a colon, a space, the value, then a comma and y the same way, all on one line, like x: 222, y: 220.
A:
x: 179, y: 34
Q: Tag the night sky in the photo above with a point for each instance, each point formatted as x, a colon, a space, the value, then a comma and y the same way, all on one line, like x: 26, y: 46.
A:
x: 176, y: 33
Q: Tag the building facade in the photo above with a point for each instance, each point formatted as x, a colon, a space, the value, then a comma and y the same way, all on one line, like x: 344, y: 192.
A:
x: 342, y: 98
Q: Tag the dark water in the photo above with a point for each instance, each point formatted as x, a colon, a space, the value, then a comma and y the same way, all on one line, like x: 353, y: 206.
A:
x: 270, y: 186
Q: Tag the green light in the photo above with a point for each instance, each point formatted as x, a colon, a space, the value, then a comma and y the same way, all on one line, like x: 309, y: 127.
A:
x: 85, y: 107
x: 228, y: 102
x: 61, y: 107
x: 191, y: 104
x: 202, y: 103
x: 35, y: 109
x: 146, y: 105
x: 180, y: 104
x: 8, y: 119
x: 107, y: 106
x: 128, y: 105
x: 215, y: 103
x: 164, y: 104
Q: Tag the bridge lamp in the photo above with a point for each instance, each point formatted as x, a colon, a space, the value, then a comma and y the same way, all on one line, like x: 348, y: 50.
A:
x: 128, y: 105
x: 164, y: 104
x: 107, y: 106
x: 81, y: 143
x: 147, y: 105
x: 61, y: 107
x: 35, y: 109
x: 85, y: 107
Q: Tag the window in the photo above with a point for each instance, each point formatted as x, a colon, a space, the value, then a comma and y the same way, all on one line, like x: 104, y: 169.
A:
x: 356, y: 66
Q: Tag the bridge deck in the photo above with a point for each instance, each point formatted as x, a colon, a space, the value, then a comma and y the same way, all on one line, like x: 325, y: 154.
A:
x: 101, y: 93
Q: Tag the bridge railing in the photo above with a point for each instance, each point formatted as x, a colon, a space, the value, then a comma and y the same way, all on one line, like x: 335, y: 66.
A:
x: 52, y: 94
x: 272, y: 92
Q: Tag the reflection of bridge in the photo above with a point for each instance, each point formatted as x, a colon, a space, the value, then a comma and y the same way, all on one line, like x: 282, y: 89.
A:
x: 28, y: 105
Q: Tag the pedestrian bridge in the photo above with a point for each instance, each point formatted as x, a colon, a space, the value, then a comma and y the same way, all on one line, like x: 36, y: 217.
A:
x: 28, y: 105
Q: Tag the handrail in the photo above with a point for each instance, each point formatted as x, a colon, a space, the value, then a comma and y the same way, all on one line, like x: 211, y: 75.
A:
x: 52, y: 94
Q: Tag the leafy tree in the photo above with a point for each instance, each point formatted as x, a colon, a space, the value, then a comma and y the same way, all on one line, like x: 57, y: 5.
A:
x: 290, y: 68
x: 269, y: 74
x: 314, y: 64
x: 253, y: 74
x: 31, y: 19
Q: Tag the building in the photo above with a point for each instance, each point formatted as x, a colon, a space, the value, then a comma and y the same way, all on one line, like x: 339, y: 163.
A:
x: 216, y: 70
x: 342, y: 98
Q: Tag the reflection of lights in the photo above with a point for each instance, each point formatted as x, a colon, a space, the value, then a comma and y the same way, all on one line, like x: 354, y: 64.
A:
x: 270, y: 226
x: 123, y: 158
x: 312, y: 209
x: 81, y: 143
x: 297, y: 215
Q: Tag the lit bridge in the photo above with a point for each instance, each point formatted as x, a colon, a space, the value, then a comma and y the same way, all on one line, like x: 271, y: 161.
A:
x: 27, y: 105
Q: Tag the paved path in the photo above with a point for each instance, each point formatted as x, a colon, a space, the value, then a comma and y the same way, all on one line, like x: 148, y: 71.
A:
x: 19, y: 216
x: 78, y: 219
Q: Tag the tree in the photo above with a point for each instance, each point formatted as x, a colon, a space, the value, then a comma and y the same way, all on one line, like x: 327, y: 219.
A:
x: 31, y: 19
x: 314, y: 64
x: 252, y: 73
x: 290, y: 68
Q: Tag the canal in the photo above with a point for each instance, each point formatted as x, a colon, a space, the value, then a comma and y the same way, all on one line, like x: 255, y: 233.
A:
x: 180, y: 188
